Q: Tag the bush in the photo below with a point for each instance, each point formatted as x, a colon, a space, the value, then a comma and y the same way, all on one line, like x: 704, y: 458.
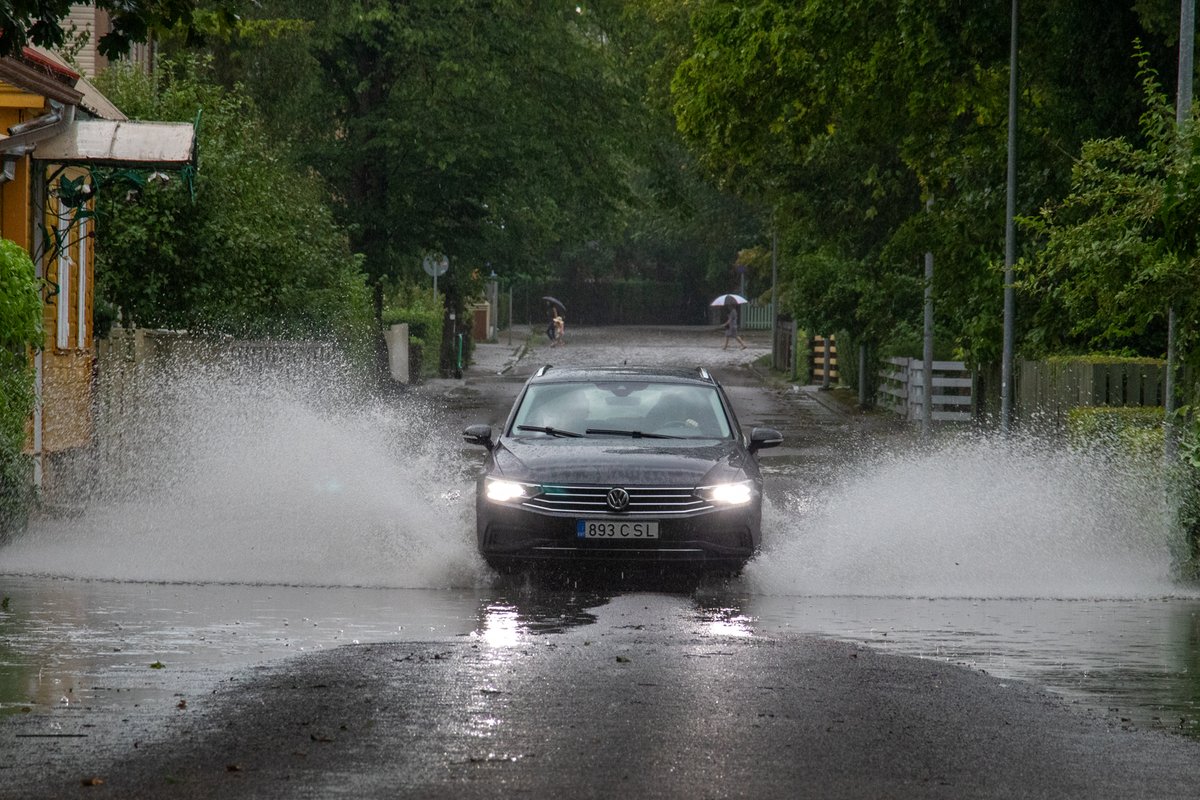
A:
x: 20, y: 328
x: 405, y: 302
x: 1135, y: 431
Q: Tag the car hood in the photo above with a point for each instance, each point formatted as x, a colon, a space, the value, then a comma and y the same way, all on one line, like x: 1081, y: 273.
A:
x: 620, y: 461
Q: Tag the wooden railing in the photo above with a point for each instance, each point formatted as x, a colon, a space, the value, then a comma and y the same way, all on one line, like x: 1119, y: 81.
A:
x: 902, y: 389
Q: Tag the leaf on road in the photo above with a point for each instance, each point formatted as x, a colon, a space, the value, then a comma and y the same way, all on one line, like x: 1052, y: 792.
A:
x: 158, y: 665
x: 95, y: 780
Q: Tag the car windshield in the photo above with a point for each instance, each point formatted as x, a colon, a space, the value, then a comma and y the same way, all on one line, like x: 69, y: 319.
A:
x: 622, y: 408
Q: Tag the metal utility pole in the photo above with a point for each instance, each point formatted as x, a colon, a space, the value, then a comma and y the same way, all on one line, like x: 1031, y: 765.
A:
x: 927, y: 409
x: 1010, y: 237
x: 1183, y: 115
x: 774, y: 297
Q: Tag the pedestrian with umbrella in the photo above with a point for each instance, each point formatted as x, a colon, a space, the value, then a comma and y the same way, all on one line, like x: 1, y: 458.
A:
x: 730, y: 302
x: 557, y: 326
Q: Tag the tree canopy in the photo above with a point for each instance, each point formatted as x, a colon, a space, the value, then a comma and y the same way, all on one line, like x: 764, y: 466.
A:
x: 845, y: 118
x: 254, y: 252
x: 40, y: 22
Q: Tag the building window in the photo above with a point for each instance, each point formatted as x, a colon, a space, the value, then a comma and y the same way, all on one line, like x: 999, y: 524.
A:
x: 81, y: 287
x: 63, y: 339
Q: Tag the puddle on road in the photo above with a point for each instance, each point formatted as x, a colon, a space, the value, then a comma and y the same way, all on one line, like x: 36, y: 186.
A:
x: 90, y: 644
x: 68, y: 642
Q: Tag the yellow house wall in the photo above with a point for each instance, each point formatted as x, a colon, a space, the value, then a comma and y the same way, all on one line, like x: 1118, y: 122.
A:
x: 14, y: 195
x: 67, y: 371
x: 66, y: 395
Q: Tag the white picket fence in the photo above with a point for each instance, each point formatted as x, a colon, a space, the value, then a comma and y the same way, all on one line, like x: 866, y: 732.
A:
x: 755, y: 317
x: 902, y: 389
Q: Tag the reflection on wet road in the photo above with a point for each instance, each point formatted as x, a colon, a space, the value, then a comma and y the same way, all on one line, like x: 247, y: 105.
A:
x: 71, y: 645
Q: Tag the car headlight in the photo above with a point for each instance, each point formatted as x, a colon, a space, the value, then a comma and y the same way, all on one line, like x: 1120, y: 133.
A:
x: 501, y: 491
x: 729, y: 494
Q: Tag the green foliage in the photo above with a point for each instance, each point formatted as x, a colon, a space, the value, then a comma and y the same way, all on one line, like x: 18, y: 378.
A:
x: 1105, y: 359
x: 413, y: 303
x: 845, y: 117
x: 486, y: 129
x: 1122, y: 247
x: 1134, y: 431
x: 257, y: 253
x: 20, y: 328
x: 20, y: 301
x: 41, y: 22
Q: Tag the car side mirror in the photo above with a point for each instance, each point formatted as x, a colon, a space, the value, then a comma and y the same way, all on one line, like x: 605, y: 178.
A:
x: 480, y: 435
x: 763, y: 438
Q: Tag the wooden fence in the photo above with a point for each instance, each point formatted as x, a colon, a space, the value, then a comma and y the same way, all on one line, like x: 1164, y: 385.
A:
x: 755, y: 317
x: 902, y: 389
x: 784, y: 350
x: 1047, y: 390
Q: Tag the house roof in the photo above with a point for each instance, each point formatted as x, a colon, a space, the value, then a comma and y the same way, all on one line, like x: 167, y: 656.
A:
x: 38, y: 77
x: 52, y: 64
x: 92, y: 100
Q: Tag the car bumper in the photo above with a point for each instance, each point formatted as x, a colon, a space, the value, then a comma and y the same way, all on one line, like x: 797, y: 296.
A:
x: 721, y: 538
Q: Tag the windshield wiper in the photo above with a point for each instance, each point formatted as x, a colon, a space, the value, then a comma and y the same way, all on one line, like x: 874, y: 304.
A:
x: 634, y: 434
x: 551, y: 431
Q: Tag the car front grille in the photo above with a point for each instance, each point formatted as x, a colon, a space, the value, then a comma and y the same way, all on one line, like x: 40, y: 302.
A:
x: 658, y: 500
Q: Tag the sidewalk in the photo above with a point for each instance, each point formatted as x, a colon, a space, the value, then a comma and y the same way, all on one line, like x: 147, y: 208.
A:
x: 499, y: 357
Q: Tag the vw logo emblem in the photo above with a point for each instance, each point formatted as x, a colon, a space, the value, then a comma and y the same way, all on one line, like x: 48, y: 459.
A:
x: 618, y: 499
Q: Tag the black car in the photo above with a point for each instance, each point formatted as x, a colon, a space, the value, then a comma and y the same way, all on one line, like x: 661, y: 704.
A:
x: 620, y: 463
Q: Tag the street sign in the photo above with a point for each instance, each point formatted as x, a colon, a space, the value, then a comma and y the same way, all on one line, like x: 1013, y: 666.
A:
x: 435, y: 265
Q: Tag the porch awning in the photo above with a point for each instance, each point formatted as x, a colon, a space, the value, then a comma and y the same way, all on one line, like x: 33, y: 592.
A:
x: 111, y: 143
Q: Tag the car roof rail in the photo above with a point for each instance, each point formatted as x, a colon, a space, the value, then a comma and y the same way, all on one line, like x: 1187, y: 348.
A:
x: 704, y: 374
x: 542, y: 371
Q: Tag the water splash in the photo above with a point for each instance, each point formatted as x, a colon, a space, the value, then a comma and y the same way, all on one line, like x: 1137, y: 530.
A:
x: 976, y: 518
x: 215, y: 473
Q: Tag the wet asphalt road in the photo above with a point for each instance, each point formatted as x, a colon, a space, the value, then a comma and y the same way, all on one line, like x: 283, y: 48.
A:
x: 640, y: 702
x: 635, y: 705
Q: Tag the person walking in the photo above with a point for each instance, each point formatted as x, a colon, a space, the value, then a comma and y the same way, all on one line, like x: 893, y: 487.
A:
x: 731, y: 325
x: 560, y: 328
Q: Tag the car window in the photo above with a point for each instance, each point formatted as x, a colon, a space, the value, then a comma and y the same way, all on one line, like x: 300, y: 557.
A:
x: 683, y: 410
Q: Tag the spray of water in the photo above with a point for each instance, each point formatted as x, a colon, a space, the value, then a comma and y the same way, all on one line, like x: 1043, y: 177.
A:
x: 977, y: 518
x: 217, y: 473
x: 213, y: 472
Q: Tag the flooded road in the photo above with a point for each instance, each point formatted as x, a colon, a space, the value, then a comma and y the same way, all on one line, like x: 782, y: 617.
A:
x: 85, y: 644
x: 308, y: 520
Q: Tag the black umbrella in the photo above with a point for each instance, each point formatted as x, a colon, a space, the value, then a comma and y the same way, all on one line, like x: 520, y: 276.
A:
x: 555, y: 302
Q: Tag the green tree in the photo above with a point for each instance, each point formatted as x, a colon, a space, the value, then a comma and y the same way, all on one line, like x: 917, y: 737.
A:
x: 40, y: 22
x: 1124, y: 245
x: 494, y: 131
x: 845, y: 117
x: 20, y: 329
x: 253, y: 251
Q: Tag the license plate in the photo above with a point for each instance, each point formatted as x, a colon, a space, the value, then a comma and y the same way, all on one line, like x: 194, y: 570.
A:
x: 615, y: 529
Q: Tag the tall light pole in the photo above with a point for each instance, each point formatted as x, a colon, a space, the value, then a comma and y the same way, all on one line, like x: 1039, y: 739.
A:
x: 927, y: 349
x: 1010, y: 237
x: 1183, y: 115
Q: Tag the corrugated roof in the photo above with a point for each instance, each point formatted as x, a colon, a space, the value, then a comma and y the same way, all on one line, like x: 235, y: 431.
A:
x: 156, y: 145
